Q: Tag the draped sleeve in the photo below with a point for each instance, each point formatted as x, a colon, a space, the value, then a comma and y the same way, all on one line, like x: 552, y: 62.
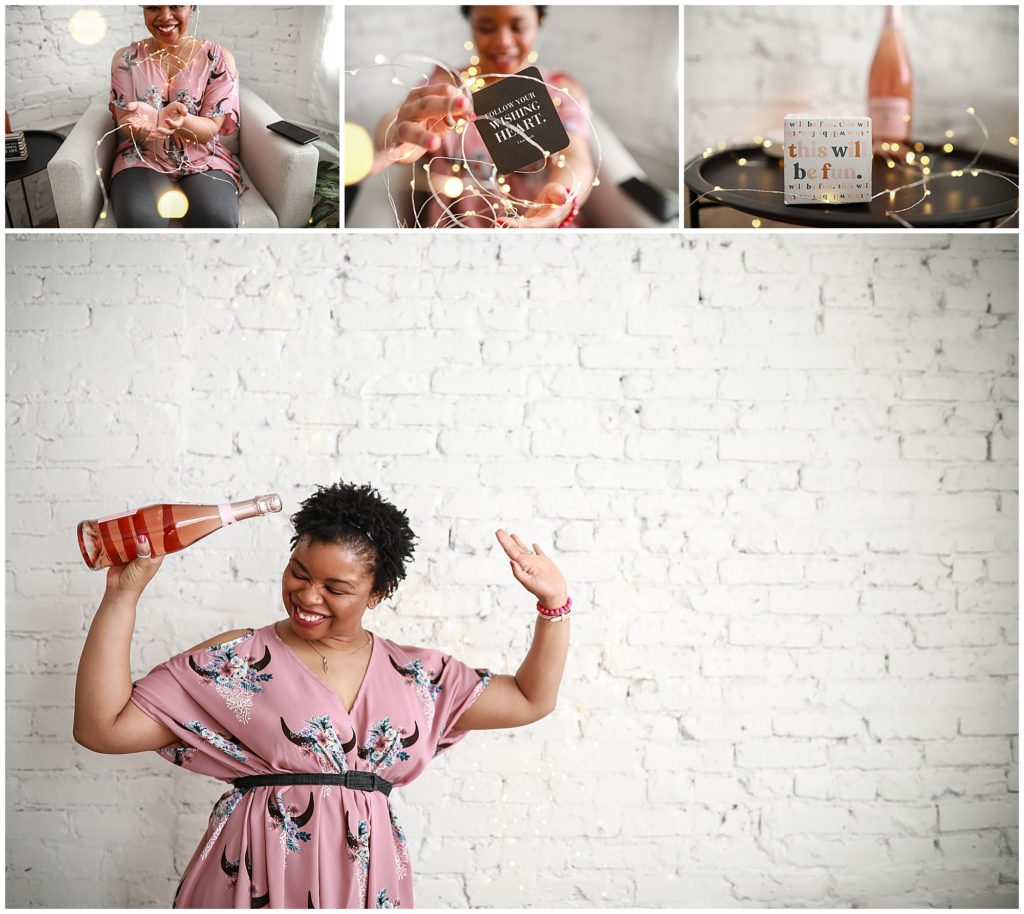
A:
x: 198, y: 695
x: 220, y: 97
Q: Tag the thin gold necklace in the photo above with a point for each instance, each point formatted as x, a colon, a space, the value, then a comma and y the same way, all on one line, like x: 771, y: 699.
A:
x: 349, y: 654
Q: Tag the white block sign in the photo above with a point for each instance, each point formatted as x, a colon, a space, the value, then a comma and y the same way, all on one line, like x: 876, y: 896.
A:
x: 827, y: 159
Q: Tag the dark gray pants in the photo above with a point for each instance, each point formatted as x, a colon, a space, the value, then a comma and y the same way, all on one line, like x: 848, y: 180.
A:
x: 212, y: 201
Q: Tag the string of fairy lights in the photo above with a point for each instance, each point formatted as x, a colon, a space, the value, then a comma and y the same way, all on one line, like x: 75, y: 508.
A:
x: 449, y: 179
x: 172, y: 62
x: 910, y: 156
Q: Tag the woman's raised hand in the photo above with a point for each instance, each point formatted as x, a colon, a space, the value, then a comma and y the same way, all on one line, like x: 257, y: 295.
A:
x: 427, y: 114
x: 142, y: 119
x: 131, y: 579
x: 535, y: 571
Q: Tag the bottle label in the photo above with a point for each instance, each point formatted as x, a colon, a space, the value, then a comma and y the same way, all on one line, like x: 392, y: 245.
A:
x: 103, y: 520
x: 227, y: 516
x: 890, y: 118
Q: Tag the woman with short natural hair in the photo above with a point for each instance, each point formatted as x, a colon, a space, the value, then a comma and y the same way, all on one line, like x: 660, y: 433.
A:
x: 312, y: 720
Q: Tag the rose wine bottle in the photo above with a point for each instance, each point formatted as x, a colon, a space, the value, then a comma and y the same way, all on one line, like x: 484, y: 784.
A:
x: 890, y: 84
x: 169, y: 528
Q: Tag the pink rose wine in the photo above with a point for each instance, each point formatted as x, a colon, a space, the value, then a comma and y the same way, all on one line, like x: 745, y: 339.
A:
x: 891, y: 84
x: 169, y: 528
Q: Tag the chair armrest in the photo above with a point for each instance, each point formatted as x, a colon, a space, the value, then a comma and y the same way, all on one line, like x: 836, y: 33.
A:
x: 72, y: 171
x: 282, y: 170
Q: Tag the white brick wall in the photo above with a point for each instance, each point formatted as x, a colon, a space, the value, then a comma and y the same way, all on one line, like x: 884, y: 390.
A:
x: 786, y: 504
x: 625, y: 56
x: 746, y: 67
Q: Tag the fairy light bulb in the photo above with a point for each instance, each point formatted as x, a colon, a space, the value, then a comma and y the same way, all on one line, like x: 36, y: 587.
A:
x: 358, y: 153
x: 452, y: 187
x: 532, y: 57
x: 474, y: 60
x: 468, y: 45
x: 379, y: 59
x: 87, y: 27
x: 172, y: 204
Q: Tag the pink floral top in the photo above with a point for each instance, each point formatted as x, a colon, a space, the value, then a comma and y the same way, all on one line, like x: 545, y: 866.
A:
x: 251, y: 706
x: 206, y: 87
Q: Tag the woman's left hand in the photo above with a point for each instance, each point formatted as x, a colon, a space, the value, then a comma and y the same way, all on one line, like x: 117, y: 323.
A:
x: 171, y: 118
x: 535, y: 571
x: 552, y: 205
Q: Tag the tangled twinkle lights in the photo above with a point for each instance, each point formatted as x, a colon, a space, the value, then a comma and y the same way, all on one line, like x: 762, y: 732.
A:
x: 173, y: 63
x: 478, y: 179
x: 914, y: 159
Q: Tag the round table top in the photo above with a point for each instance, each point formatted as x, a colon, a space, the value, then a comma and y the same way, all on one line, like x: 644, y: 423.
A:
x: 954, y: 200
x: 42, y: 146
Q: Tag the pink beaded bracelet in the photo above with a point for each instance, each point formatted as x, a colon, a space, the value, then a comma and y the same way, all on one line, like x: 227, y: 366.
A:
x: 555, y: 613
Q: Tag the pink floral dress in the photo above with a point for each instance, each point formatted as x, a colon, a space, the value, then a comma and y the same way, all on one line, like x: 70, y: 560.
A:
x: 205, y: 86
x: 251, y: 706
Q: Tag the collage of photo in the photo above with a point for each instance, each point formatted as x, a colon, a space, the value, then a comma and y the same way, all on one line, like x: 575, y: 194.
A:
x: 636, y: 384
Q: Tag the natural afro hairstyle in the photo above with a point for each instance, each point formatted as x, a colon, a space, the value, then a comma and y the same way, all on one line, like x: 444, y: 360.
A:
x: 357, y: 517
x: 542, y: 11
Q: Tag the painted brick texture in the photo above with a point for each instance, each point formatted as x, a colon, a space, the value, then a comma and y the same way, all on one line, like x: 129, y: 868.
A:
x: 780, y: 473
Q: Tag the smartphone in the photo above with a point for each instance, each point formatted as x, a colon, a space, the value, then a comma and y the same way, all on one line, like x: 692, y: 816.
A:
x: 293, y: 132
x: 651, y: 199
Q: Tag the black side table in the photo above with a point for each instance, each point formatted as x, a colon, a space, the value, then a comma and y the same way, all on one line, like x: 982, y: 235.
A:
x: 954, y: 202
x: 42, y: 146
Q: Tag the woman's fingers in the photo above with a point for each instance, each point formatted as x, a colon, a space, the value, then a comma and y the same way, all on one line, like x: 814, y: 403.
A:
x: 508, y: 544
x: 519, y: 542
x: 412, y: 132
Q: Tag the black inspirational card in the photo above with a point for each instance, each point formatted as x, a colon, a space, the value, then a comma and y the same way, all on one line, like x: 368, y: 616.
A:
x: 512, y: 107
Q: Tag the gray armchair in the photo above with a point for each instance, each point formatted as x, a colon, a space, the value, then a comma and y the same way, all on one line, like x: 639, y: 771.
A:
x: 281, y: 174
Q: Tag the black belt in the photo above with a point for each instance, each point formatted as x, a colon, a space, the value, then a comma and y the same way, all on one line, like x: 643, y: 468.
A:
x: 354, y: 780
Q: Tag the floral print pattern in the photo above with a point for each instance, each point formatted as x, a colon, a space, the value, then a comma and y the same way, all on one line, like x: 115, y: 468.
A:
x: 219, y: 818
x: 383, y: 902
x: 426, y: 683
x: 402, y: 863
x: 322, y: 742
x: 217, y: 740
x: 177, y: 755
x: 287, y: 822
x: 383, y: 746
x: 188, y: 101
x: 235, y: 677
x: 359, y: 853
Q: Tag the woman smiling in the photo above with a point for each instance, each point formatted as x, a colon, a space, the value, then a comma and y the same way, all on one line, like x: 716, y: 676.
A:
x: 313, y: 719
x: 173, y: 96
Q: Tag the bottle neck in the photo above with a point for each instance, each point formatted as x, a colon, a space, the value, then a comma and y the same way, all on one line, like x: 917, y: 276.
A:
x: 251, y: 507
x: 893, y: 17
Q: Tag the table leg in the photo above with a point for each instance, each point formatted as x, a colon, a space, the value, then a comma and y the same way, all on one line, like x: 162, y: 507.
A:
x: 693, y: 208
x: 28, y: 207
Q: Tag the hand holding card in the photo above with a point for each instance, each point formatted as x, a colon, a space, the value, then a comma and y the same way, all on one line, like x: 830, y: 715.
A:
x: 518, y: 121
